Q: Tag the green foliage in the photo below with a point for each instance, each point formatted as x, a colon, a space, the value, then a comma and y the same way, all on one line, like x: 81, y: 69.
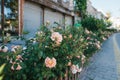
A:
x: 63, y: 53
x: 108, y: 23
x: 81, y: 6
x: 93, y: 24
x: 32, y: 59
x: 66, y: 49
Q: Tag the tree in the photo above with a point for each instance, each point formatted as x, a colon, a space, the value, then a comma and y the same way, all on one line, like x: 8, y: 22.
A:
x: 81, y: 6
x: 12, y: 7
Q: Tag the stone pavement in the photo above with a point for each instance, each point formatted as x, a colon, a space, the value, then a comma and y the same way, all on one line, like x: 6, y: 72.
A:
x: 105, y: 65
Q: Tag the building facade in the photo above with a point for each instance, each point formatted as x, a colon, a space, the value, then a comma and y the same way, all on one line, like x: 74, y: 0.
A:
x: 17, y: 16
x: 94, y: 12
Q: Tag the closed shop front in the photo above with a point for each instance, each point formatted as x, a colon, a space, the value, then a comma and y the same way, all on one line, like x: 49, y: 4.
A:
x: 32, y: 18
x: 53, y: 17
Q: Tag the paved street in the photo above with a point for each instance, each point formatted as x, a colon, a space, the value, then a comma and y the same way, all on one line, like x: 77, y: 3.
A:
x: 105, y: 65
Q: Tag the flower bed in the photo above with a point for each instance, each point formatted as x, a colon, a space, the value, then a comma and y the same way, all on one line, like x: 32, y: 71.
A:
x: 53, y: 54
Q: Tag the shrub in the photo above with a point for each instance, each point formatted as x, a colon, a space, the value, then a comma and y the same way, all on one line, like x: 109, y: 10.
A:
x: 47, y: 56
x: 50, y: 53
x: 93, y: 24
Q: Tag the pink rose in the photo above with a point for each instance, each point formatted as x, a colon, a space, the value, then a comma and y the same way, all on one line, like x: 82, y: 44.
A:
x: 5, y: 49
x: 12, y: 67
x: 70, y: 36
x: 19, y: 57
x: 57, y: 37
x: 78, y: 57
x: 69, y: 63
x: 50, y: 63
x: 18, y: 67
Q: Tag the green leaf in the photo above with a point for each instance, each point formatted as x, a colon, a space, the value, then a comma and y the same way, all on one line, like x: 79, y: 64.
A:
x: 56, y: 54
x: 40, y: 54
x: 1, y: 68
x: 1, y: 77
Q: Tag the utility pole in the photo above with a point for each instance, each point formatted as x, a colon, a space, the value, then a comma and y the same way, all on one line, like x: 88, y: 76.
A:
x: 2, y: 20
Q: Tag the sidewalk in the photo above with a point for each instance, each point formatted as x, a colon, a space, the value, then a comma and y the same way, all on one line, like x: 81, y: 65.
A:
x: 105, y: 65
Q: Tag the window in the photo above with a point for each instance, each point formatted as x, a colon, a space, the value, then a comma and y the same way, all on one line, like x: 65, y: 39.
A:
x: 10, y: 17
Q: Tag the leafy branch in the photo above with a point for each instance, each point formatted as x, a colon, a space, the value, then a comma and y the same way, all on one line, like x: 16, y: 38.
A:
x: 81, y: 6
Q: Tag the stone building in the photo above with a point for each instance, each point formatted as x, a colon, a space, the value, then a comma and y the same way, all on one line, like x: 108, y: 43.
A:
x: 91, y: 10
x: 29, y: 15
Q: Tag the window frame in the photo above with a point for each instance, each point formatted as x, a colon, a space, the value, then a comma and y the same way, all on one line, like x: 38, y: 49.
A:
x: 20, y: 16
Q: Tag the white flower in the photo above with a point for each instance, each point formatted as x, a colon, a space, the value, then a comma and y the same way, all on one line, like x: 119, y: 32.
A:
x: 73, y: 69
x: 78, y: 69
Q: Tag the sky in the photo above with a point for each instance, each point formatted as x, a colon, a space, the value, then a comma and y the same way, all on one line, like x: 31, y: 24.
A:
x: 112, y: 6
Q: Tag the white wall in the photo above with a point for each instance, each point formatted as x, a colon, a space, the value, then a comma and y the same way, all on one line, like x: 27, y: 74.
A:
x: 32, y: 17
x: 53, y: 16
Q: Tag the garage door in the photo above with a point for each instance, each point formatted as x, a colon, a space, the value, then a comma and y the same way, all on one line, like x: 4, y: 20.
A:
x: 53, y: 17
x: 32, y: 18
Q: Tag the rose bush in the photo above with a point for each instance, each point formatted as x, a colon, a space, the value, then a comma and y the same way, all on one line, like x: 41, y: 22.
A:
x: 53, y: 50
x: 50, y: 53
